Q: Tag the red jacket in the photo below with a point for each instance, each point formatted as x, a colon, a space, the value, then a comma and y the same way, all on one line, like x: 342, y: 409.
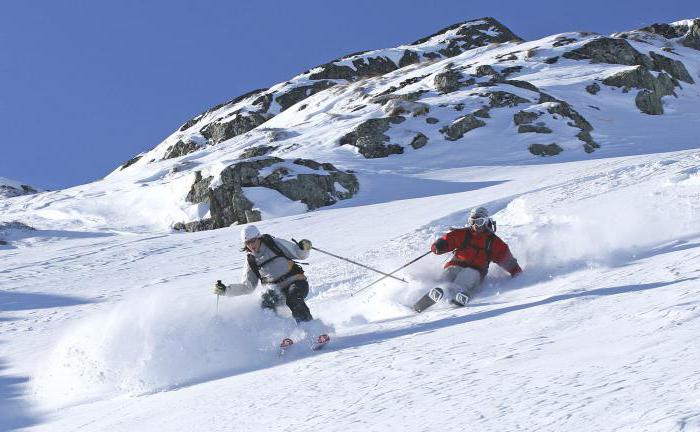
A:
x: 476, y: 250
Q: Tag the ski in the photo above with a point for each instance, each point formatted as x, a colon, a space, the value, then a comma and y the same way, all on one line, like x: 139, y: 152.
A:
x: 320, y: 342
x: 433, y: 296
x: 461, y: 299
x: 284, y: 345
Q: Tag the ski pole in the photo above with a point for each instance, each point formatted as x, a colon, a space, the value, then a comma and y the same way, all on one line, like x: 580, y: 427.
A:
x: 384, y: 277
x: 356, y: 263
x: 217, y: 300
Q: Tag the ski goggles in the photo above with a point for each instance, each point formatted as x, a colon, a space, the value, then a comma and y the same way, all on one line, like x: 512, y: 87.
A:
x: 480, y: 222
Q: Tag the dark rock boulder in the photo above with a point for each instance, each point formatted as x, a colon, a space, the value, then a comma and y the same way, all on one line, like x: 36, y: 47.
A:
x: 333, y: 71
x: 471, y: 34
x: 482, y: 112
x: 370, y: 140
x: 609, y: 50
x: 130, y: 162
x: 525, y: 117
x: 419, y: 141
x: 461, y: 126
x: 408, y: 58
x: 674, y: 68
x: 545, y: 149
x: 687, y: 35
x: 527, y: 128
x: 256, y: 151
x: 240, y: 123
x: 181, y: 148
x: 499, y: 99
x: 448, y: 81
x: 297, y: 94
x: 228, y: 203
x: 649, y: 102
x: 432, y: 120
x: 7, y: 191
x: 593, y: 88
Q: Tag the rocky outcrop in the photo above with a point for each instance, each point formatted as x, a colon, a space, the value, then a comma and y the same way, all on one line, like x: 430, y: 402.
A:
x: 534, y: 129
x: 448, y: 81
x: 181, y: 148
x: 370, y: 140
x: 419, y: 141
x: 674, y: 68
x: 461, y: 126
x: 653, y: 88
x: 130, y: 162
x: 471, y: 34
x: 525, y: 117
x: 545, y: 149
x: 8, y: 191
x: 228, y: 203
x: 297, y: 94
x: 500, y: 99
x: 577, y: 120
x: 609, y: 50
x: 687, y: 34
x: 240, y: 123
x: 12, y: 229
x: 593, y: 88
x: 256, y: 151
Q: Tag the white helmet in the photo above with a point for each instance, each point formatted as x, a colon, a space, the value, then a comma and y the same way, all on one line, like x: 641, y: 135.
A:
x: 250, y: 232
x: 478, y: 216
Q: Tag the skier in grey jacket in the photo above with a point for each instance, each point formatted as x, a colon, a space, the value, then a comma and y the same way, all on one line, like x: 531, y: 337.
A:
x: 270, y: 261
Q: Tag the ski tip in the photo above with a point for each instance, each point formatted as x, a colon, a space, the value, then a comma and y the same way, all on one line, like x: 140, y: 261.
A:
x: 286, y: 342
x: 321, y: 341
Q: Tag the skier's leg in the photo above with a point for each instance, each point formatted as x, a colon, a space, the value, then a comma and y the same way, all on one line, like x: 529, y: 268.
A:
x: 296, y: 292
x: 449, y: 275
x: 468, y: 281
x: 270, y: 300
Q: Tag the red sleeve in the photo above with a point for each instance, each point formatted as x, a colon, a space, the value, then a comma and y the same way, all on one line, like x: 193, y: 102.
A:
x: 501, y: 255
x: 447, y: 243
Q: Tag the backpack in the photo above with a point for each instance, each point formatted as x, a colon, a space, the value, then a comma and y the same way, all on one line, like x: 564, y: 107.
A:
x: 269, y: 241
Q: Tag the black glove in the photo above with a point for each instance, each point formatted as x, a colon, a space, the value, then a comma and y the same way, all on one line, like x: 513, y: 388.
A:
x: 219, y: 288
x: 305, y: 245
x: 439, y: 247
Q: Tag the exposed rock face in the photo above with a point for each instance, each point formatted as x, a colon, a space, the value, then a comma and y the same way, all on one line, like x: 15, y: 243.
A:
x: 256, y: 151
x: 648, y: 100
x: 181, y: 148
x: 419, y: 141
x: 499, y: 99
x: 471, y: 34
x: 534, y: 129
x: 130, y: 162
x: 7, y: 191
x: 545, y: 149
x: 609, y: 50
x: 228, y: 203
x: 240, y: 123
x: 689, y: 34
x: 524, y: 117
x: 593, y: 88
x: 461, y: 126
x: 675, y: 68
x: 370, y: 140
x: 300, y: 93
x: 565, y: 110
x: 448, y: 81
x: 8, y: 228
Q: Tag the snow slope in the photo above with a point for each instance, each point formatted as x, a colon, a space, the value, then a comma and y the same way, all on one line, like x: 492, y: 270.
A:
x: 122, y: 334
x: 107, y: 321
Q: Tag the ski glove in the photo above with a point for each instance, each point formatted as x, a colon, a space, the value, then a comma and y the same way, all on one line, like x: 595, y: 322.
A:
x: 439, y: 247
x: 305, y: 245
x: 219, y: 288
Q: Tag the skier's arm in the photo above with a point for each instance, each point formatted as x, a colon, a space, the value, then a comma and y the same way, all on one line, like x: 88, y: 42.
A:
x: 292, y: 249
x: 446, y: 243
x: 249, y: 282
x: 504, y: 258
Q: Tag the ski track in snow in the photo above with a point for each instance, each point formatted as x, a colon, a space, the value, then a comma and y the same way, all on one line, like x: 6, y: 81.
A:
x: 599, y: 333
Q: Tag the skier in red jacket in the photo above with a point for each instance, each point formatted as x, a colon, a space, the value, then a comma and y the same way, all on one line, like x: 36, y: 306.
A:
x: 474, y: 247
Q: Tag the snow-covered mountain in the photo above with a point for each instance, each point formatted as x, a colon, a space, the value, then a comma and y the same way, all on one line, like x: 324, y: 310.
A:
x: 108, y: 323
x: 12, y: 188
x: 472, y: 94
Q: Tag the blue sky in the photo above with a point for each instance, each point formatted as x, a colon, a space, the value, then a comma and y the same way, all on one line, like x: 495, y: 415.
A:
x: 86, y: 85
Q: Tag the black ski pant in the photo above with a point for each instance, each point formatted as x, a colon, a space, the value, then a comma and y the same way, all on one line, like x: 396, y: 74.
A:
x: 294, y: 295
